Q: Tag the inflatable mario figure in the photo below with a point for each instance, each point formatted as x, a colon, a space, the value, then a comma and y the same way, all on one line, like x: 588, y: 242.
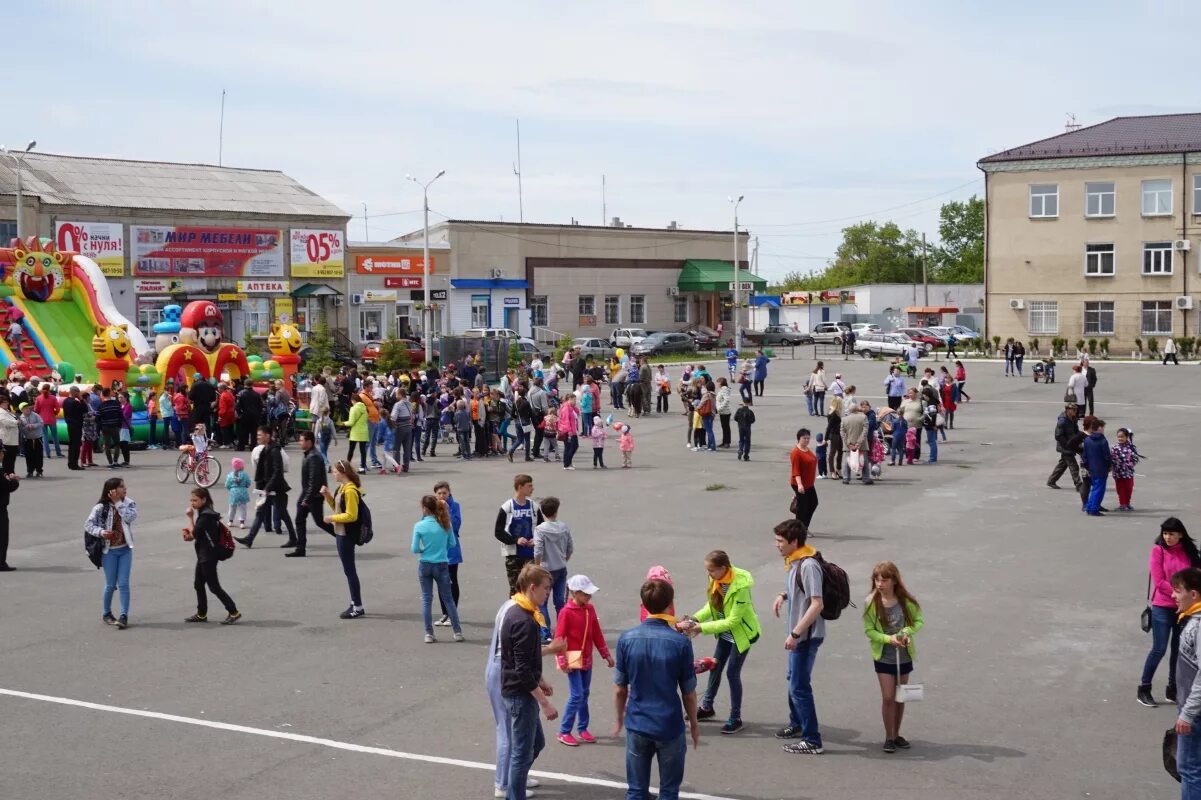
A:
x: 201, y: 325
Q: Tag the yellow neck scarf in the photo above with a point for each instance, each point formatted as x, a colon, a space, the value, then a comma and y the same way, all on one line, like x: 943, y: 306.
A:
x: 725, y: 580
x: 527, y: 604
x: 668, y: 618
x: 801, y: 552
x: 1188, y: 612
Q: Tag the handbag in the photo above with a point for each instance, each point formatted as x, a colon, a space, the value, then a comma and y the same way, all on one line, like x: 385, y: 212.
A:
x: 123, y: 435
x: 908, y: 692
x: 792, y: 505
x: 1069, y: 396
x: 1169, y: 753
x: 575, y: 658
x: 1145, y: 617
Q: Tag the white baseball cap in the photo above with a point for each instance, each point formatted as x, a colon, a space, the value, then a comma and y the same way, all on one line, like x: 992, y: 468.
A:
x: 582, y: 583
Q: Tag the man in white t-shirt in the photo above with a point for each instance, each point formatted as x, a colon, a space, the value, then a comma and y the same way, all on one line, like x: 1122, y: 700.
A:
x: 16, y: 338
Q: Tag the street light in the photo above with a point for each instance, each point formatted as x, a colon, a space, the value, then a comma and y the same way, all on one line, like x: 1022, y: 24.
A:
x: 737, y: 288
x: 19, y: 160
x: 425, y: 264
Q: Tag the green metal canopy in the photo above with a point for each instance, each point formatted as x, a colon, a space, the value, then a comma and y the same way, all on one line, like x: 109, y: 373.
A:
x: 707, y: 275
x: 315, y: 290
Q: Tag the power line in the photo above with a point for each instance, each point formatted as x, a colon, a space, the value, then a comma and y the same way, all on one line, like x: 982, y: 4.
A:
x: 868, y: 213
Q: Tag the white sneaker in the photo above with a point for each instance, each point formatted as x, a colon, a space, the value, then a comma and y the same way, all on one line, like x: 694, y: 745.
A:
x: 499, y: 792
x: 821, y: 477
x: 531, y: 783
x: 444, y: 622
x: 429, y: 638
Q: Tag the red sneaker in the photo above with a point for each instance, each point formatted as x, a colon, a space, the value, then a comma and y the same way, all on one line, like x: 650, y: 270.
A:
x: 568, y: 739
x: 586, y: 737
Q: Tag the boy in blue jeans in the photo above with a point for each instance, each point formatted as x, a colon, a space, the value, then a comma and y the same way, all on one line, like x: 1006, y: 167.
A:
x: 822, y: 449
x: 744, y: 418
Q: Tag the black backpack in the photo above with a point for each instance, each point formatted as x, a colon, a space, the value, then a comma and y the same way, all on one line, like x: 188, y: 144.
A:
x: 366, y: 533
x: 836, y: 588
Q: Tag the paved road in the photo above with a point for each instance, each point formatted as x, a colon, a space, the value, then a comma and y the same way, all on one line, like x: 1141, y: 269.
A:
x: 1030, y: 655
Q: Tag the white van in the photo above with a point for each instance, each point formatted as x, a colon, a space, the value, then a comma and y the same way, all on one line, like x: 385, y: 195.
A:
x: 490, y: 333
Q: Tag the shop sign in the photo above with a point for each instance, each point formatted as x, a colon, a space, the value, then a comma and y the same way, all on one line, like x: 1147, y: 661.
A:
x: 317, y: 254
x: 512, y: 301
x: 436, y: 295
x: 405, y: 282
x: 265, y: 287
x: 378, y: 296
x: 389, y: 264
x: 283, y: 308
x: 103, y: 242
x: 229, y: 297
x: 201, y: 251
x: 152, y: 286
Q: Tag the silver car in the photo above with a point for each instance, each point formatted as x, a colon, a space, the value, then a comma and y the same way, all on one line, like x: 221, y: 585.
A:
x: 594, y: 346
x: 886, y: 344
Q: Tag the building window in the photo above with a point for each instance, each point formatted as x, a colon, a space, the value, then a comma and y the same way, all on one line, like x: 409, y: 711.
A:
x: 1157, y: 198
x: 479, y: 311
x: 1157, y: 258
x: 1196, y: 195
x: 587, y: 305
x: 637, y: 309
x: 1098, y: 259
x: 147, y: 319
x: 1044, y: 200
x: 727, y: 308
x: 1098, y: 317
x: 1157, y: 317
x: 539, y: 311
x: 1100, y: 199
x: 612, y: 309
x: 257, y: 312
x: 1044, y: 316
x: 8, y: 232
x: 680, y: 313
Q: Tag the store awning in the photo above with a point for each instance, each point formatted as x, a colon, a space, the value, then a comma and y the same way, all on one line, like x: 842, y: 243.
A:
x: 315, y: 290
x: 703, y: 275
x: 488, y: 283
x: 768, y: 300
x: 931, y: 310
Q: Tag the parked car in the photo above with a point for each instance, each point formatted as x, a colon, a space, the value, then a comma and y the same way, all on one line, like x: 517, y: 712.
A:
x: 626, y: 337
x: 658, y: 344
x: 705, y: 338
x: 341, y: 356
x: 924, y: 335
x: 861, y: 328
x: 594, y: 346
x: 490, y: 333
x: 528, y: 348
x: 779, y: 334
x: 886, y: 344
x: 830, y: 332
x: 962, y: 333
x: 415, y: 348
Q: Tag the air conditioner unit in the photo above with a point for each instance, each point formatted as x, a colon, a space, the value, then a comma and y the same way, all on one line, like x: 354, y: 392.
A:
x: 356, y: 299
x: 1017, y: 305
x: 339, y: 301
x: 1182, y: 245
x: 673, y: 291
x: 1184, y: 303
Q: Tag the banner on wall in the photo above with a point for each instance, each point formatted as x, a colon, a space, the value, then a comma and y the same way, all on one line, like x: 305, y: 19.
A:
x: 283, y: 309
x: 392, y: 265
x: 265, y: 287
x: 317, y: 254
x: 404, y: 282
x: 199, y: 251
x: 103, y: 242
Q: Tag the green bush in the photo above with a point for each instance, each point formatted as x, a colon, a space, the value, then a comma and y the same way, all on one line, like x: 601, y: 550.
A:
x: 1138, y: 345
x: 1092, y: 346
x: 321, y: 349
x: 393, y: 355
x: 1079, y: 345
x: 1105, y: 347
x: 514, y: 354
x: 561, y: 348
x: 1153, y: 345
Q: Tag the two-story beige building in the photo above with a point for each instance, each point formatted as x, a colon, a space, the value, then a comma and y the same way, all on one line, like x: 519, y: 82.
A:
x: 1094, y: 233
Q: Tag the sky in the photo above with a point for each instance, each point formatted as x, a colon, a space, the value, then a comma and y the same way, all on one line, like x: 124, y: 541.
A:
x: 820, y: 115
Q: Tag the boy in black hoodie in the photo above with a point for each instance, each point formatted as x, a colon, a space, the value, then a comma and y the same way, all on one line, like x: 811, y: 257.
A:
x: 744, y: 417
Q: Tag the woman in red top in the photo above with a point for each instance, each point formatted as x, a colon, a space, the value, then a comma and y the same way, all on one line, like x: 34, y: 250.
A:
x: 804, y: 475
x: 227, y: 418
x: 948, y: 404
x: 579, y: 629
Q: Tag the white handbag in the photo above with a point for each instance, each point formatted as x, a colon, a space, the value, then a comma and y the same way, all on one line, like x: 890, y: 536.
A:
x: 908, y: 692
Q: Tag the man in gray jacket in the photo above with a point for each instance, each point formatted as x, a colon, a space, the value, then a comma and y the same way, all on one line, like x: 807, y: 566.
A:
x: 854, y: 439
x: 1186, y: 590
x: 538, y: 408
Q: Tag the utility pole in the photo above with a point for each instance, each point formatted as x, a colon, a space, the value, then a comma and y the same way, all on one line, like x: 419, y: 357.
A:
x: 517, y: 172
x: 19, y: 159
x: 737, y: 287
x: 221, y: 131
x: 427, y: 322
x: 925, y: 281
x: 366, y: 235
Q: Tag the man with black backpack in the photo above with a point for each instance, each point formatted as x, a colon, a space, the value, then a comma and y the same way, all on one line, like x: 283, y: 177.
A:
x: 806, y: 631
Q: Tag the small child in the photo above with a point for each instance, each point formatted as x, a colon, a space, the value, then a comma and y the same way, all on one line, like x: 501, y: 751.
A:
x: 238, y: 484
x: 660, y: 573
x: 32, y: 429
x: 598, y: 434
x: 91, y: 434
x: 896, y: 455
x: 553, y: 548
x: 823, y: 447
x: 550, y: 427
x: 744, y: 418
x: 910, y: 445
x: 1125, y: 457
x: 463, y: 429
x: 626, y: 445
x: 198, y: 447
x: 580, y: 629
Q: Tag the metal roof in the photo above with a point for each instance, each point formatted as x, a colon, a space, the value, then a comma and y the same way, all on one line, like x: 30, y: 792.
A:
x: 77, y: 181
x: 1164, y: 133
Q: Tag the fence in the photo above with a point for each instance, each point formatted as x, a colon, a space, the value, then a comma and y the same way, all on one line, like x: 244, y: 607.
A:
x: 494, y: 351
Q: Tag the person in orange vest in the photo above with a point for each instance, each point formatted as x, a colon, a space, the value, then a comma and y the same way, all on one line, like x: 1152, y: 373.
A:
x: 373, y: 419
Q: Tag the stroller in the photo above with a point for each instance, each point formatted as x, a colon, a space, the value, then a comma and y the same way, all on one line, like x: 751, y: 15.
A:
x: 1044, y: 370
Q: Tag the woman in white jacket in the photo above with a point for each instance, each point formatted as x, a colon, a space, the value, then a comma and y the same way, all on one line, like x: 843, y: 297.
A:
x: 723, y: 410
x: 1076, y: 386
x: 112, y: 520
x: 817, y: 382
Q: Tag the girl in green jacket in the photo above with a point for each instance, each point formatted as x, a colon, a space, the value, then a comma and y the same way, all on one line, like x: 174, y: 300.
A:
x: 730, y: 616
x: 891, y: 616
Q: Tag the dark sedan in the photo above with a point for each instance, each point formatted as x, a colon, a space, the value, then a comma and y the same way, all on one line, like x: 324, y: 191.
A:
x: 662, y: 343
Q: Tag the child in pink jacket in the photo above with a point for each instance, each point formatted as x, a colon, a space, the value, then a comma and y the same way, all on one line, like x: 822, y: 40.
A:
x: 626, y: 445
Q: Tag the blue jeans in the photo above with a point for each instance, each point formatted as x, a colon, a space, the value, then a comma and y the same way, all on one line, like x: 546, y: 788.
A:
x: 429, y: 573
x: 525, y: 741
x: 640, y: 751
x: 579, y: 684
x: 117, y: 563
x: 500, y: 715
x: 1188, y: 763
x: 1163, y: 630
x: 569, y: 448
x: 558, y: 596
x: 373, y: 430
x: 802, y: 713
x: 819, y: 403
x: 744, y: 391
x: 51, y: 432
x: 932, y: 443
x: 1096, y: 493
x: 731, y: 660
x: 710, y: 441
x: 809, y: 403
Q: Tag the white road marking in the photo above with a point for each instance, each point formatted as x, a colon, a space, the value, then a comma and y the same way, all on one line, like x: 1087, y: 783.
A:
x: 333, y: 743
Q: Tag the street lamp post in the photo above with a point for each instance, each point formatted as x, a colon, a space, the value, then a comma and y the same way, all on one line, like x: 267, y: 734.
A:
x: 737, y: 287
x: 19, y: 160
x: 428, y: 323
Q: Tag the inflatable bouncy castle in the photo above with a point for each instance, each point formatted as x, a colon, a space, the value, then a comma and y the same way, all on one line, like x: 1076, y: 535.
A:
x: 70, y: 328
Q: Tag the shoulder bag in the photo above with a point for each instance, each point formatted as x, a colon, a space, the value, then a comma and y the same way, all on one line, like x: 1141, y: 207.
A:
x: 575, y: 658
x: 908, y: 692
x: 1145, y: 617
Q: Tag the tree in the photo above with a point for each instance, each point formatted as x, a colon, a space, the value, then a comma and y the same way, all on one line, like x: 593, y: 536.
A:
x: 959, y: 257
x: 321, y: 348
x: 869, y: 253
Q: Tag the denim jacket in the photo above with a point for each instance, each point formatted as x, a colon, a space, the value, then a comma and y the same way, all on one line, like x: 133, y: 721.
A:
x: 100, y: 520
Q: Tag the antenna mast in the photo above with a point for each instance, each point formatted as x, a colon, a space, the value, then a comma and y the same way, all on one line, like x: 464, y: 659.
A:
x: 221, y: 132
x: 517, y: 172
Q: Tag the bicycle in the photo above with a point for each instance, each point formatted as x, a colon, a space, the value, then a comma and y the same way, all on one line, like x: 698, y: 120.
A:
x: 204, y: 471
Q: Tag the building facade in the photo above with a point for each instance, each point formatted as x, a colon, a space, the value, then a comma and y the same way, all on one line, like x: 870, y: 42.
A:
x: 581, y: 280
x: 254, y: 241
x: 1093, y: 234
x: 385, y: 286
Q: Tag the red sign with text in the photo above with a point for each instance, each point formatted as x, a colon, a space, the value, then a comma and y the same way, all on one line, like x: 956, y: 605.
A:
x: 391, y: 264
x: 405, y: 282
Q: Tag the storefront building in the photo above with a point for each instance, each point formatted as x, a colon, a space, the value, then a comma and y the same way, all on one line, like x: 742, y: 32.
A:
x: 547, y: 281
x: 254, y: 241
x: 386, y: 290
